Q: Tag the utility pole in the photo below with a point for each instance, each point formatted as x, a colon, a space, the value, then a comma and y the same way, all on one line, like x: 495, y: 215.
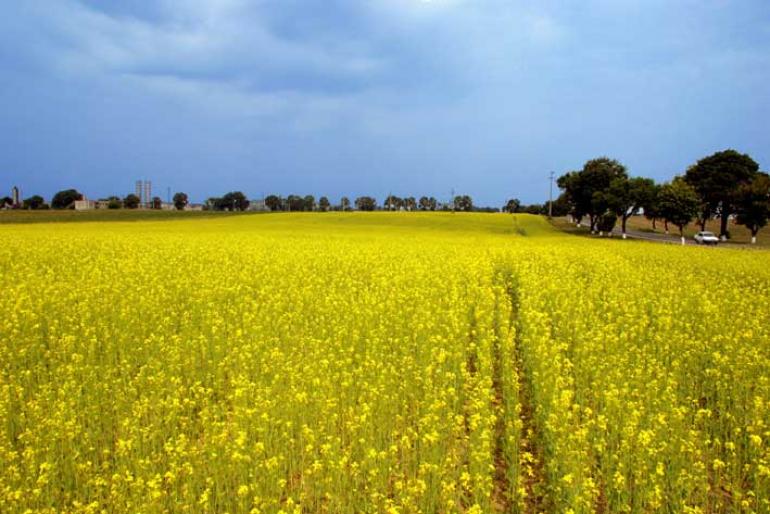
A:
x: 452, y: 199
x: 550, y: 195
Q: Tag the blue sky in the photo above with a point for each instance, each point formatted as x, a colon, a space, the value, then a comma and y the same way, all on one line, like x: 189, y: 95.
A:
x: 353, y: 97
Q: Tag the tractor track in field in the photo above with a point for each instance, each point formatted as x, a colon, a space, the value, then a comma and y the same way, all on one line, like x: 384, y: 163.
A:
x: 505, y: 497
x: 530, y: 453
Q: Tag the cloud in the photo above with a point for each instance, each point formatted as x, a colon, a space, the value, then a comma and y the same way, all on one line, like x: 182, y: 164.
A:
x: 458, y: 92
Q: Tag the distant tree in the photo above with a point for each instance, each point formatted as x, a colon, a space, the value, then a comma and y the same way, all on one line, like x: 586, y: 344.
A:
x: 345, y: 203
x: 651, y: 205
x: 180, y: 201
x: 410, y: 204
x: 534, y: 208
x: 157, y: 203
x: 586, y: 189
x: 6, y: 202
x: 233, y: 201
x: 273, y: 203
x: 752, y: 204
x: 392, y: 203
x: 65, y: 199
x: 427, y: 203
x: 33, y: 203
x: 114, y: 203
x: 487, y: 209
x: 679, y: 203
x: 576, y: 194
x: 561, y: 206
x: 131, y: 201
x: 323, y: 204
x: 463, y: 203
x: 717, y: 179
x: 513, y: 205
x: 366, y: 203
x: 626, y: 196
x: 294, y: 203
x: 308, y: 203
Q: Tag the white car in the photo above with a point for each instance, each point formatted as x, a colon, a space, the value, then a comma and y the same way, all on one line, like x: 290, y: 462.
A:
x: 706, y: 238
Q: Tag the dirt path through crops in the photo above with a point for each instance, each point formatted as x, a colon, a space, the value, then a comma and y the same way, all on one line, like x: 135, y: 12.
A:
x: 530, y: 453
x: 505, y: 497
x: 502, y: 494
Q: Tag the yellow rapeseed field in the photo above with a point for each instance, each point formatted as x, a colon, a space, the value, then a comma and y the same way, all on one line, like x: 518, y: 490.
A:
x: 378, y: 362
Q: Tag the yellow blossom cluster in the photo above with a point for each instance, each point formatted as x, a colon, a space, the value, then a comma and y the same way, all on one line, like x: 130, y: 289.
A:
x: 378, y: 362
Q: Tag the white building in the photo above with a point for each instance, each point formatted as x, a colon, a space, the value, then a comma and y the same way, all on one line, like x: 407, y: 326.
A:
x: 85, y: 205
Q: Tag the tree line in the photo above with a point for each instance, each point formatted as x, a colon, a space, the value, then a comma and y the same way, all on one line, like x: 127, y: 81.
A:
x: 369, y: 203
x: 238, y: 201
x: 723, y: 185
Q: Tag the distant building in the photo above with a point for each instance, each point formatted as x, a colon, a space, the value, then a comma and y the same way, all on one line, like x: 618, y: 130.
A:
x: 194, y: 207
x: 15, y: 197
x: 258, y: 205
x: 85, y: 205
x: 143, y: 191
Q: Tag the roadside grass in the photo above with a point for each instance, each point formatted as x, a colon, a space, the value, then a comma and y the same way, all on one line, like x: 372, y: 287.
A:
x: 740, y: 236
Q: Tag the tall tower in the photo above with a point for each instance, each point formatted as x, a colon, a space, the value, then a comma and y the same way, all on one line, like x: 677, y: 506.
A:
x: 148, y: 194
x: 15, y: 196
x: 138, y: 190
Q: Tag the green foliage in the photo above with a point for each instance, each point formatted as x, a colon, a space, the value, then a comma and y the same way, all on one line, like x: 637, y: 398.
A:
x: 427, y: 203
x: 65, y: 199
x: 678, y: 203
x: 180, y: 201
x: 585, y: 190
x: 624, y: 197
x: 131, y: 201
x: 463, y: 203
x: 752, y: 203
x: 607, y: 222
x: 366, y: 203
x: 392, y: 203
x: 273, y: 203
x: 512, y: 206
x: 716, y: 180
x: 33, y: 203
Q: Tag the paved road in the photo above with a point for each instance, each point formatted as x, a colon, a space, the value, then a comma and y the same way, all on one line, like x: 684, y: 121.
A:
x: 660, y: 238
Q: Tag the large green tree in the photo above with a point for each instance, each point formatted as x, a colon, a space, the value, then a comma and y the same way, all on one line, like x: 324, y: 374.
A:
x: 752, y: 204
x: 625, y: 197
x: 717, y: 179
x: 65, y: 199
x: 651, y: 205
x: 586, y: 189
x: 679, y: 204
